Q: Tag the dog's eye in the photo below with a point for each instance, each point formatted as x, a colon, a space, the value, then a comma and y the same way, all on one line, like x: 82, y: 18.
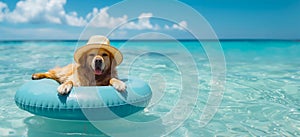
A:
x: 104, y: 54
x: 91, y: 54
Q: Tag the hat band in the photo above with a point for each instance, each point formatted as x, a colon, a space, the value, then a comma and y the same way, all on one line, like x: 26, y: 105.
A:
x: 91, y: 43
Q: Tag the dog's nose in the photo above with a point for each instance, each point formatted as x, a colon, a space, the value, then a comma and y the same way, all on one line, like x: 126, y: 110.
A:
x: 98, y: 61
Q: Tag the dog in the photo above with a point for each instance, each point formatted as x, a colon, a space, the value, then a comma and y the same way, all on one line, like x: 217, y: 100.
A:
x: 95, y: 66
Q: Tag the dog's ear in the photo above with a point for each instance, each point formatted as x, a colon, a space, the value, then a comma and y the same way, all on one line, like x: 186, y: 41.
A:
x: 113, y: 62
x: 113, y: 65
x: 82, y: 60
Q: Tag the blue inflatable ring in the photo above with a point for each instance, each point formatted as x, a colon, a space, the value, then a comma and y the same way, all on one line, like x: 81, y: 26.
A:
x: 40, y: 97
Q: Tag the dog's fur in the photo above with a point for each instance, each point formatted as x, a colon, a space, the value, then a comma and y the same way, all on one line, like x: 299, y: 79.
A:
x: 86, y: 72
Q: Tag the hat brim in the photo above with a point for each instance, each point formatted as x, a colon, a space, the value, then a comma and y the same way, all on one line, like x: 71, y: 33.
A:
x: 114, y: 51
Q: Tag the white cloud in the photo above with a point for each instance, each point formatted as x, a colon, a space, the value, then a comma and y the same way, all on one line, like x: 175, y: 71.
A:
x: 100, y: 18
x: 180, y: 26
x: 43, y: 11
x: 142, y: 23
x: 3, y: 10
x: 36, y: 11
x: 73, y: 20
x: 52, y: 11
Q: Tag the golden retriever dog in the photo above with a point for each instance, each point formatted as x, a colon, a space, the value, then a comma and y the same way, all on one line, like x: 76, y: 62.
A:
x: 96, y: 66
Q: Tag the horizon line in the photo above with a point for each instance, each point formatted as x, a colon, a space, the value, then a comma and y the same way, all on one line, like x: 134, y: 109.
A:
x: 238, y: 39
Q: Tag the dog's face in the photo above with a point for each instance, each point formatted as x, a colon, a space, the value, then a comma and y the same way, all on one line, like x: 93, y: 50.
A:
x: 97, y: 60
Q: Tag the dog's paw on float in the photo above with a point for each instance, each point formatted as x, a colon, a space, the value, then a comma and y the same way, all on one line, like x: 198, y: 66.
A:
x: 65, y: 88
x: 119, y: 85
x: 37, y: 76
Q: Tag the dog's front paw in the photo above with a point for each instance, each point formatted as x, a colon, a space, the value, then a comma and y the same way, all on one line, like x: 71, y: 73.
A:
x: 36, y: 76
x: 65, y: 88
x: 119, y: 85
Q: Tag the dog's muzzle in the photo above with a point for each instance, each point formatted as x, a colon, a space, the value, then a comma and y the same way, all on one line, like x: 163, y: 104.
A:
x: 98, y: 66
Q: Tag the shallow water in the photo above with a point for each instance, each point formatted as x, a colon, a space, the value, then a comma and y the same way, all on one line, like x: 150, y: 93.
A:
x: 261, y: 96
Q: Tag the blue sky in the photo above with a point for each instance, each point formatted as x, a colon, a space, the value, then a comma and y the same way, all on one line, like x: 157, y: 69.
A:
x: 78, y: 19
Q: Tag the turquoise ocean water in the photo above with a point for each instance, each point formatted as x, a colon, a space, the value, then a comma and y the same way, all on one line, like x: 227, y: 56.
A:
x: 261, y: 97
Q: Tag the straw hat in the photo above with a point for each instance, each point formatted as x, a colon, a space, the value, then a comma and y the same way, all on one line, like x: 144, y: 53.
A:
x: 99, y: 42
